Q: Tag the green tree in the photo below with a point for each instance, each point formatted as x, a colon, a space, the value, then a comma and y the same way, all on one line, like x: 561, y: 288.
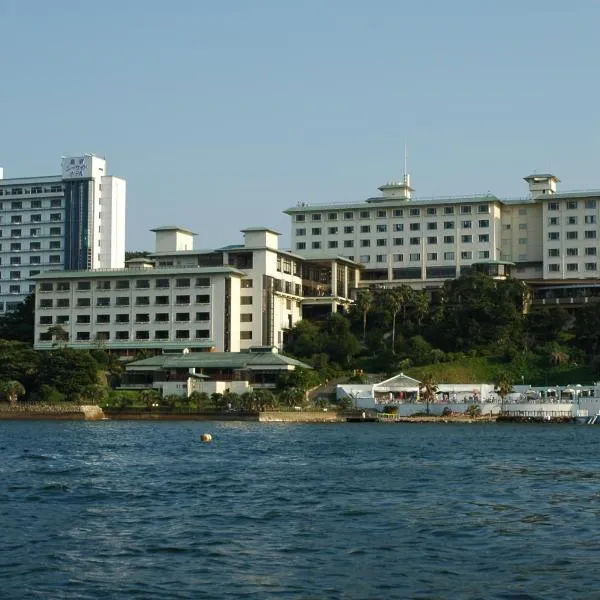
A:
x: 95, y: 393
x: 428, y: 389
x: 67, y: 370
x: 12, y: 390
x: 60, y: 335
x: 304, y: 339
x: 363, y: 304
x: 149, y: 397
x: 338, y: 341
x: 19, y: 324
x: 503, y: 388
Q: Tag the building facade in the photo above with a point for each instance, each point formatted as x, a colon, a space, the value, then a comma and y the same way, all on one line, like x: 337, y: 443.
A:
x: 75, y: 220
x: 546, y: 237
x: 229, y: 299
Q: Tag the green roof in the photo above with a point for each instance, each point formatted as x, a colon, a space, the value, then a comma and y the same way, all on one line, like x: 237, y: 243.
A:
x: 142, y: 273
x: 217, y: 360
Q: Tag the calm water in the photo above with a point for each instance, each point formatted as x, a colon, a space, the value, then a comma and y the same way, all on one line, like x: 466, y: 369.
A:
x: 144, y: 510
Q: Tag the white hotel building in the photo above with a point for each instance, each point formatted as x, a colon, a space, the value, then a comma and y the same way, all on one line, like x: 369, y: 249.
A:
x: 548, y: 238
x: 75, y: 220
x: 227, y: 300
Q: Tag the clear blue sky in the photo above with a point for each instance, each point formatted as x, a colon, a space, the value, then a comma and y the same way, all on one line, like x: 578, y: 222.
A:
x: 222, y: 113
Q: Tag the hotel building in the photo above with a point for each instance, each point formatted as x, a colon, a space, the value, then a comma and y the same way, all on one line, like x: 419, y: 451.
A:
x: 230, y: 299
x: 548, y: 238
x: 75, y: 220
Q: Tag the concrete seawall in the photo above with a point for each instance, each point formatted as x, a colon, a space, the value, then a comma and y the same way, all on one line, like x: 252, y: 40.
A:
x: 300, y: 417
x: 64, y: 412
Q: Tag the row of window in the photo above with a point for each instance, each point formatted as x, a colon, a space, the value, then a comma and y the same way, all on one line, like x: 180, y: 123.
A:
x: 35, y: 218
x: 125, y: 301
x: 125, y: 284
x: 15, y: 288
x: 143, y: 334
x: 572, y: 204
x: 382, y: 228
x: 53, y: 259
x: 587, y: 219
x: 588, y: 234
x: 554, y: 252
x: 573, y: 267
x: 125, y: 318
x: 383, y: 242
x: 37, y: 203
x: 395, y: 212
x: 33, y: 246
x: 416, y: 256
x: 34, y: 232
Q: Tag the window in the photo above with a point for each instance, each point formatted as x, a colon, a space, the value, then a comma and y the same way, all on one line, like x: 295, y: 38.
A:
x: 590, y: 251
x: 572, y: 235
x: 62, y: 303
x: 82, y: 336
x: 415, y: 227
x: 332, y: 216
x: 15, y: 260
x: 414, y: 257
x: 202, y: 299
x: 316, y: 231
x: 484, y: 222
x: 83, y: 302
x: 246, y: 300
x: 364, y: 214
x: 83, y: 285
x: 448, y: 255
x: 448, y: 239
x: 46, y: 303
x: 183, y: 299
x: 381, y: 228
x: 15, y: 275
x: 45, y: 320
x: 316, y: 217
x: 245, y: 335
x: 466, y: 224
x: 398, y: 241
x: 591, y: 266
x: 182, y: 334
x: 332, y: 245
x: 103, y: 301
x: 467, y: 255
x: 590, y: 219
x: 83, y: 319
x: 522, y: 241
x: 485, y: 208
x: 398, y: 257
x: 414, y: 241
x: 54, y: 230
x: 553, y: 235
x: 203, y: 316
x: 142, y: 300
x: 465, y: 210
x: 103, y: 285
x: 572, y: 251
x: 381, y: 214
x: 142, y: 284
x: 348, y: 243
x: 466, y: 239
x: 554, y: 267
x: 398, y: 227
x: 46, y: 287
x: 484, y: 238
x: 432, y: 256
x: 14, y: 289
x: 349, y: 229
x: 397, y: 212
x: 380, y: 258
x: 483, y: 254
x: 432, y: 240
x: 300, y: 218
x: 246, y: 317
x: 522, y: 211
x: 571, y: 220
x: 55, y: 216
x: 54, y: 245
x: 590, y: 203
x: 553, y: 206
x: 55, y: 202
x: 553, y: 252
x: 589, y: 234
x: 35, y: 260
x: 448, y: 210
x: 202, y: 334
x: 122, y: 318
x: 54, y: 259
x: 364, y: 258
x: 15, y: 233
x: 553, y: 221
x: 332, y: 230
x: 161, y: 317
x: 365, y: 229
x: 571, y: 205
x: 121, y: 284
x: 381, y: 242
x: 522, y: 226
x: 316, y: 245
x: 572, y: 267
x: 122, y: 301
x: 448, y: 224
x: 348, y: 215
x: 300, y: 245
x: 142, y: 335
x: 365, y: 243
x: 102, y: 318
x: 182, y: 317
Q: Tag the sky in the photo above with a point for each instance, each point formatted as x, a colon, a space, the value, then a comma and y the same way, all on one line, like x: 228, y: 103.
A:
x: 222, y: 113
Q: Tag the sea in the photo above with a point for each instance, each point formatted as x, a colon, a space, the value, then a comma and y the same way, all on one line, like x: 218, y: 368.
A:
x: 134, y: 509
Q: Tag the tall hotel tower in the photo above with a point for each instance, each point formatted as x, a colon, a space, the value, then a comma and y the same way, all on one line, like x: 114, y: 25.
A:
x: 71, y: 221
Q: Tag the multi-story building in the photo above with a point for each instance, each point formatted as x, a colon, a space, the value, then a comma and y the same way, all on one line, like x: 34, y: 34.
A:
x: 547, y: 238
x: 229, y: 299
x: 75, y: 220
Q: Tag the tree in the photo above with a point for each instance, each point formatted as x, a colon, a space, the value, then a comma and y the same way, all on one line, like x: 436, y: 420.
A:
x: 95, y: 393
x: 363, y: 304
x: 503, y: 388
x: 150, y: 397
x: 12, y: 390
x: 394, y: 300
x: 19, y: 324
x: 69, y: 371
x: 60, y: 335
x: 428, y: 389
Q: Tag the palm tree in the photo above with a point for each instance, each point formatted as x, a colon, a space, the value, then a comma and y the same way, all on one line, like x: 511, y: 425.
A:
x: 428, y: 389
x: 12, y: 390
x: 364, y: 302
x: 503, y: 388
